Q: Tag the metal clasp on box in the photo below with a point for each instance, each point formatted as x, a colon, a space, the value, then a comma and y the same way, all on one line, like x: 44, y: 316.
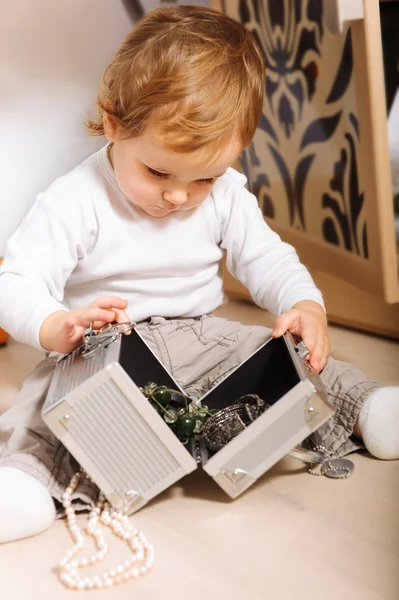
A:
x: 126, y: 501
x: 96, y: 340
x: 302, y: 350
x: 234, y: 481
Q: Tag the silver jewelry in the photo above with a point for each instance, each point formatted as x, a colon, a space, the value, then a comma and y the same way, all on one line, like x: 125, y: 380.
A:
x: 338, y: 468
x: 228, y: 422
x: 140, y: 561
x: 94, y: 340
x: 335, y: 468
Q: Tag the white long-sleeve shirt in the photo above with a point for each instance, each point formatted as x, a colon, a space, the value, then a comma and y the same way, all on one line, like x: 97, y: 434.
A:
x: 82, y: 239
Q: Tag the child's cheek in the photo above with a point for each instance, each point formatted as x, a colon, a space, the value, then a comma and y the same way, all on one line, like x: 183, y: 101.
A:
x: 141, y: 187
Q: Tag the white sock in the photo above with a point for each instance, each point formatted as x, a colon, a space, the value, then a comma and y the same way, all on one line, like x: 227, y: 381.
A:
x: 26, y: 506
x: 379, y: 423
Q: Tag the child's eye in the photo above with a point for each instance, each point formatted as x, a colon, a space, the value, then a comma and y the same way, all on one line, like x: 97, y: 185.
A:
x: 206, y: 181
x: 161, y: 175
x: 157, y: 173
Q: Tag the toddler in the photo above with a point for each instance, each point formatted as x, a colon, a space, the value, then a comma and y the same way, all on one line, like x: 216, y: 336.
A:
x: 138, y: 231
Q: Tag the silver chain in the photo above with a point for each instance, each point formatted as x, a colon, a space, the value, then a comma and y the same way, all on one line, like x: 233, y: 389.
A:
x: 327, y: 464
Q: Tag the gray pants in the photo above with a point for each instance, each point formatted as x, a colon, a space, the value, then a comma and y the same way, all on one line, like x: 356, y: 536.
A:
x: 197, y: 353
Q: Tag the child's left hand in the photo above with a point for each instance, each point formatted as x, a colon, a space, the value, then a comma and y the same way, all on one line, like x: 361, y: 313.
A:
x: 308, y: 320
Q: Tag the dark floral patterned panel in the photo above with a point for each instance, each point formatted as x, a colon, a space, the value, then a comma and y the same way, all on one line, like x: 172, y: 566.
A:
x: 302, y: 165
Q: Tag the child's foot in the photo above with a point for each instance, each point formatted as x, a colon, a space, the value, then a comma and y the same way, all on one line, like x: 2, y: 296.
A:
x: 379, y: 423
x: 26, y: 506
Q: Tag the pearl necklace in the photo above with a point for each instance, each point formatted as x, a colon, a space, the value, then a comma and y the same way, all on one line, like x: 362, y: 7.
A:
x: 140, y: 562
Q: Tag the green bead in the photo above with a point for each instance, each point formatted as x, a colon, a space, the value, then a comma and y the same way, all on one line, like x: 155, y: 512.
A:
x: 163, y: 397
x: 157, y: 408
x: 186, y: 425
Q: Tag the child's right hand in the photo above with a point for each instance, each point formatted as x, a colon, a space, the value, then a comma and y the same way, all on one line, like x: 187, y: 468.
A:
x: 63, y: 330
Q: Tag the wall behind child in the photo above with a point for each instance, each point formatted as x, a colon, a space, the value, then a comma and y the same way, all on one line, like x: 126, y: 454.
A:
x: 52, y: 56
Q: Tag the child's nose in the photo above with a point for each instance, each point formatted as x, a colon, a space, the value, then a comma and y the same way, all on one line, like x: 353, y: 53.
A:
x: 176, y: 197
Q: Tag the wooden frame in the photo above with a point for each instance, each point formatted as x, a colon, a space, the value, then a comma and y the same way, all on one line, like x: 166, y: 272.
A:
x: 375, y: 168
x: 337, y: 12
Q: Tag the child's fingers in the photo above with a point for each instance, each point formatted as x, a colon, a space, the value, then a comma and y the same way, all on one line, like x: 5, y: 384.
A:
x: 99, y: 317
x: 317, y: 357
x: 288, y: 321
x: 321, y: 359
x: 87, y: 316
x: 326, y: 353
x: 119, y: 317
x: 122, y: 317
x: 311, y: 339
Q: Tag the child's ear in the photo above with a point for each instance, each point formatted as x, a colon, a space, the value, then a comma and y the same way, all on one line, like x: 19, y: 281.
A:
x: 110, y: 126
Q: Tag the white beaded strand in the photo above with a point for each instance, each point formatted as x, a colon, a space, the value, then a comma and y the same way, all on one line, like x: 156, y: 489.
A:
x: 140, y: 562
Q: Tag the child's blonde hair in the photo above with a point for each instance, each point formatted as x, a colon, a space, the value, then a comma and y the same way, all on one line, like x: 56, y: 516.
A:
x: 194, y: 74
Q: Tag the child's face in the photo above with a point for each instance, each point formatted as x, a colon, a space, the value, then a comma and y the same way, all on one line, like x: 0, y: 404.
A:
x: 160, y: 181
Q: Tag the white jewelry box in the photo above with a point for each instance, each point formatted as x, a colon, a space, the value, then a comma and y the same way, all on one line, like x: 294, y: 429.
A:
x: 95, y: 407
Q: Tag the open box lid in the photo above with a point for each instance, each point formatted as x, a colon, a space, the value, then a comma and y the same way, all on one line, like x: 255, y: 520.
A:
x: 99, y: 413
x: 131, y: 453
x: 279, y: 375
x: 268, y: 439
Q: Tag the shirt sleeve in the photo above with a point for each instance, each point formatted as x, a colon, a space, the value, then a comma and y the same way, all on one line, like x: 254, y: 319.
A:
x: 39, y: 258
x: 268, y: 267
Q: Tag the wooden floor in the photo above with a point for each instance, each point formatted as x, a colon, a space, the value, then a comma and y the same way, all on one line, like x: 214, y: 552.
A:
x: 290, y: 537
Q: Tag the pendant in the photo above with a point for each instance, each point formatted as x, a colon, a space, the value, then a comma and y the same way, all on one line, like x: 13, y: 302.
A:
x: 338, y: 468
